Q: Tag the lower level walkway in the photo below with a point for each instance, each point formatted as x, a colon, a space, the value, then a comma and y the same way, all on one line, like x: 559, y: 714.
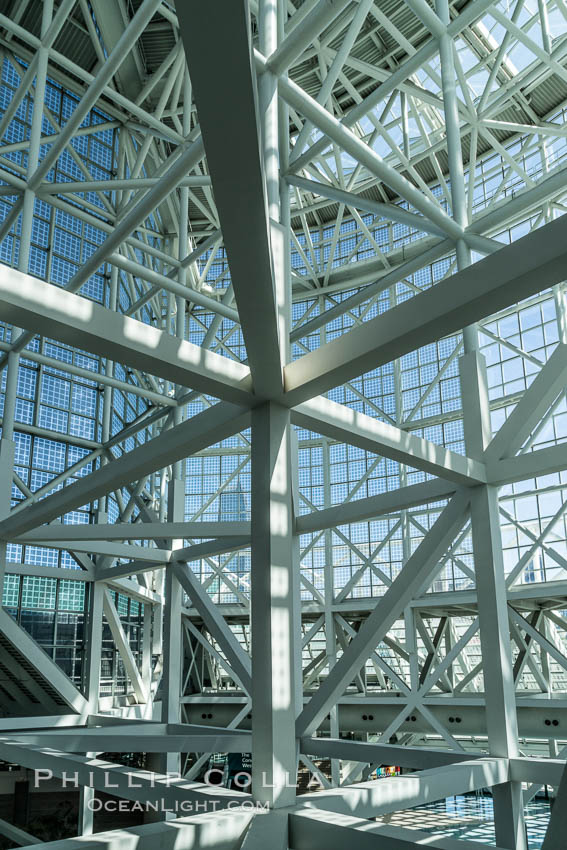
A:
x: 471, y: 818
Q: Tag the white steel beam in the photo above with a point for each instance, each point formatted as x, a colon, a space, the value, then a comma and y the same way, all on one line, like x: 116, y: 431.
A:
x: 345, y: 425
x: 115, y: 550
x: 293, y: 45
x: 516, y: 271
x: 172, y: 634
x: 159, y: 531
x: 188, y: 553
x: 112, y: 185
x: 237, y: 174
x: 533, y: 464
x: 18, y: 836
x: 391, y: 794
x: 552, y: 650
x: 215, y: 624
x: 428, y: 17
x: 143, y: 737
x: 413, y: 757
x: 390, y: 502
x: 201, y: 831
x: 389, y: 212
x: 161, y: 281
x: 123, y: 647
x: 49, y: 310
x: 230, y: 543
x: 548, y: 771
x: 534, y: 403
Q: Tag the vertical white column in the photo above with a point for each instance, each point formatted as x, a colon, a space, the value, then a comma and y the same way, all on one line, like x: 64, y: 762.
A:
x: 93, y: 625
x: 92, y: 661
x: 409, y: 614
x: 557, y: 827
x: 329, y: 571
x: 147, y: 655
x: 275, y: 610
x: 275, y: 602
x: 172, y: 634
x: 172, y: 647
x: 499, y: 689
x: 411, y: 648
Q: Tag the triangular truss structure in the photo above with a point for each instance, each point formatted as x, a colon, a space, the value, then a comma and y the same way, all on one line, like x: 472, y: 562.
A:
x: 282, y: 464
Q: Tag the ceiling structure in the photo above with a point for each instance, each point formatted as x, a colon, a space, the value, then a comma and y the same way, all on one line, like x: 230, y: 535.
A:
x: 284, y: 358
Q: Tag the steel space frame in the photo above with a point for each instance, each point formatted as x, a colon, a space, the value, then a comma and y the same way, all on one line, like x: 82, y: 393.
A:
x: 218, y: 138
